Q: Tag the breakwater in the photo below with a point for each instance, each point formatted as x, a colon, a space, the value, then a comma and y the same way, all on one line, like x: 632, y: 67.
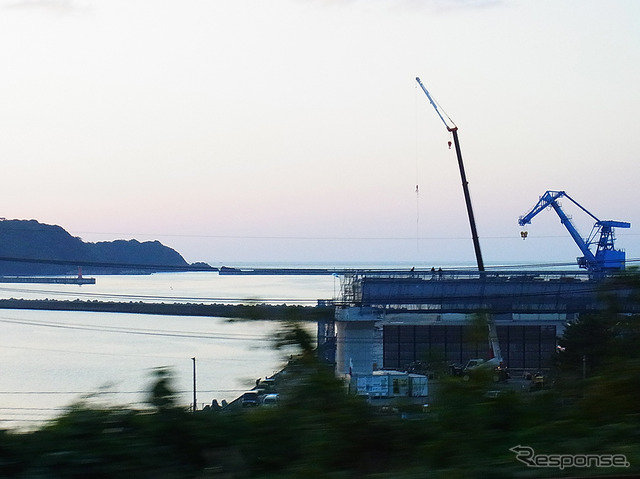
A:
x: 226, y: 270
x: 239, y: 311
x: 47, y: 279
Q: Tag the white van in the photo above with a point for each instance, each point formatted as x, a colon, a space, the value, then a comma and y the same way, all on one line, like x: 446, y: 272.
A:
x: 271, y: 400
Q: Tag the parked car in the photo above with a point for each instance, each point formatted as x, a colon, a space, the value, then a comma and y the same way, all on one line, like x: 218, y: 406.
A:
x: 271, y: 400
x: 250, y: 399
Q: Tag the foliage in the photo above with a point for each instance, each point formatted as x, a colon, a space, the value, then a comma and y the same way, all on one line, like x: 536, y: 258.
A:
x: 43, y: 249
x: 162, y: 396
x: 318, y: 430
x: 292, y: 334
x: 586, y: 344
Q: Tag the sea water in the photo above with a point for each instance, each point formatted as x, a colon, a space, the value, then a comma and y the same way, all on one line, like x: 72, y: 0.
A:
x: 52, y: 360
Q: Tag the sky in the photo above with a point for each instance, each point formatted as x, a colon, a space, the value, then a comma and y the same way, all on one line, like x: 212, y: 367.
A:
x: 253, y: 131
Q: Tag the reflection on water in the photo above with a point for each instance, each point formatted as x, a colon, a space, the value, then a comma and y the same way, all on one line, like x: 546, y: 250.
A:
x: 52, y: 358
x: 202, y: 287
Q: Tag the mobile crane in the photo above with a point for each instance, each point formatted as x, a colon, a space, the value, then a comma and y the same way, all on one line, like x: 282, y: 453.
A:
x: 606, y: 257
x: 496, y: 353
x: 453, y: 129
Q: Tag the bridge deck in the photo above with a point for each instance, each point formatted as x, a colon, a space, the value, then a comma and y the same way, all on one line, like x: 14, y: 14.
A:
x: 500, y: 292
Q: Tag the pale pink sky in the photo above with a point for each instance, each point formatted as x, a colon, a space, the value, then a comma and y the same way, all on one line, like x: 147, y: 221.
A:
x: 293, y: 130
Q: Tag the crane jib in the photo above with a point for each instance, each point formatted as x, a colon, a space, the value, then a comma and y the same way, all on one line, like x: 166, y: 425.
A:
x: 435, y: 106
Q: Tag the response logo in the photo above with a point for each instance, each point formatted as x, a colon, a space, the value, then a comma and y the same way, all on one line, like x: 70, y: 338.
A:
x: 527, y: 455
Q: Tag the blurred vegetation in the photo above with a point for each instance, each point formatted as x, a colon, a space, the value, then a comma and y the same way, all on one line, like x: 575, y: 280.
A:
x: 320, y: 431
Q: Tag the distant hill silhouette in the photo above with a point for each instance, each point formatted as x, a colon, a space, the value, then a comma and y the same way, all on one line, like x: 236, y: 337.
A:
x: 28, y: 247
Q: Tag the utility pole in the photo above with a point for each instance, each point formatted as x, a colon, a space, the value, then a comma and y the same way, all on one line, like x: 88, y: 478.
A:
x: 195, y: 404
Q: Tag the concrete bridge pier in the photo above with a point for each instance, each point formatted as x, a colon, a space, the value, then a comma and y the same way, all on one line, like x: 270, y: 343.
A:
x: 359, y: 348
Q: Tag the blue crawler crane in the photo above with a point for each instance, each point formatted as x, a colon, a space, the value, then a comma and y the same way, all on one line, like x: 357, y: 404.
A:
x: 606, y: 257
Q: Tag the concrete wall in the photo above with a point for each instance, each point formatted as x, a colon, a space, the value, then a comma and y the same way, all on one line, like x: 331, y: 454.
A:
x: 367, y: 340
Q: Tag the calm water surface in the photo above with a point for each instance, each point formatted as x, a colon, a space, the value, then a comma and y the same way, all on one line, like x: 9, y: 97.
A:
x: 52, y: 359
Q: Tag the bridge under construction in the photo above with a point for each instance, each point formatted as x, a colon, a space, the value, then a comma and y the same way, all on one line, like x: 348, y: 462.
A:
x: 391, y: 319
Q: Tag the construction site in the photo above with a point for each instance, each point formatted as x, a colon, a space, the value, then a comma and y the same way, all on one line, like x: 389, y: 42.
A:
x: 395, y: 320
